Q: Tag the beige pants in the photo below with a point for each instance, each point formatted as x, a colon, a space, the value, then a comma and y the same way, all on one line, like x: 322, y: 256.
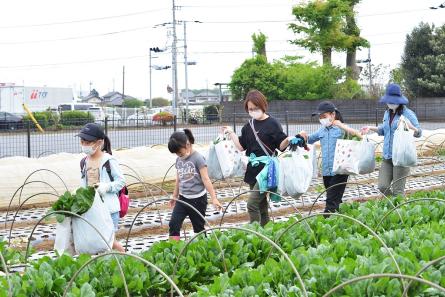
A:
x: 392, y: 176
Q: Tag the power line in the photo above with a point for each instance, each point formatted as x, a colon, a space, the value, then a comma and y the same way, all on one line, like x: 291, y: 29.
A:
x: 76, y: 37
x: 32, y: 66
x: 83, y: 20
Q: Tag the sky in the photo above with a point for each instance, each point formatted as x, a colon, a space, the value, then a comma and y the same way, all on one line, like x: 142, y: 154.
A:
x: 82, y: 44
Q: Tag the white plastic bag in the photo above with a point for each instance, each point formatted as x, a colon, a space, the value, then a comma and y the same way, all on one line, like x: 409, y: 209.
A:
x: 404, y: 151
x: 354, y: 157
x: 213, y: 167
x: 86, y: 239
x: 346, y: 158
x: 228, y: 157
x: 241, y: 162
x: 366, y: 162
x: 64, y: 237
x: 296, y: 171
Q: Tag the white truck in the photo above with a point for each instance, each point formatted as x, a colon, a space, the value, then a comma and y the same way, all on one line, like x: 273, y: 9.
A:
x: 36, y: 98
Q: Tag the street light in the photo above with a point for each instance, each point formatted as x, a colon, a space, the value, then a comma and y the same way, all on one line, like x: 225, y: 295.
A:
x: 185, y: 69
x: 220, y: 91
x: 439, y: 6
x: 368, y: 60
x: 156, y: 50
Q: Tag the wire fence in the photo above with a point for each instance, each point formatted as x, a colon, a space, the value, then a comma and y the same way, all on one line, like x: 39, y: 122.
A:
x: 26, y: 140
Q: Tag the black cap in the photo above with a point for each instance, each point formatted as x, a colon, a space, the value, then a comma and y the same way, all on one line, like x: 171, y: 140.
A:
x: 91, y: 132
x: 325, y: 106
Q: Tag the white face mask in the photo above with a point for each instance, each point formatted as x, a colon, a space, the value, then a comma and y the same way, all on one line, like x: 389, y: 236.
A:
x: 88, y: 149
x: 326, y: 122
x: 393, y: 106
x: 257, y: 114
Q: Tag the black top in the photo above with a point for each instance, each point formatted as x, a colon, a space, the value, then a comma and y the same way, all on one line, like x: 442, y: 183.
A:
x: 271, y: 134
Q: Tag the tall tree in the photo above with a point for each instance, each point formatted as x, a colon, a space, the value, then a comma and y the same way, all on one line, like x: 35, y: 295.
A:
x: 423, y: 61
x: 321, y: 23
x: 259, y: 44
x: 355, y: 41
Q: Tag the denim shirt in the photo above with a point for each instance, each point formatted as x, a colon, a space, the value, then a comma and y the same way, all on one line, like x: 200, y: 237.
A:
x: 111, y: 199
x: 387, y: 131
x: 328, y: 140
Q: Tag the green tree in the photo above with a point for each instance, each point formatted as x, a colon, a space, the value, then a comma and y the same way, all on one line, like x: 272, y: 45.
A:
x: 257, y: 73
x: 310, y: 81
x: 423, y: 61
x: 132, y: 103
x: 158, y: 102
x: 259, y: 44
x: 321, y: 23
x: 289, y: 79
x: 354, y: 40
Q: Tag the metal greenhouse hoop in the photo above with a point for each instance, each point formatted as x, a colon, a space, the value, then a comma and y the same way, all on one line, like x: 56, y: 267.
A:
x: 250, y: 191
x: 383, y: 275
x: 188, y: 205
x: 44, y: 153
x: 69, y: 213
x: 351, y: 183
x: 148, y: 263
x: 20, y: 207
x: 165, y: 175
x: 184, y: 249
x: 406, y: 177
x: 424, y: 268
x: 13, y: 196
x: 47, y: 170
x: 374, y: 234
x: 8, y: 279
x: 405, y: 203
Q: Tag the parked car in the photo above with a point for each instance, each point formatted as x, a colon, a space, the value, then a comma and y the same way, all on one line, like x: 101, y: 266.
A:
x: 9, y: 121
x: 141, y: 119
x: 100, y: 113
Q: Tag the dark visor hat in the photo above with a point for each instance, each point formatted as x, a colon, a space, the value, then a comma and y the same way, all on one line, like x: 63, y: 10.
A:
x: 323, y: 107
x: 91, y: 132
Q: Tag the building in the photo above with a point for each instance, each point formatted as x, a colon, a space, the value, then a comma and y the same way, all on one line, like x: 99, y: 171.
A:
x: 92, y: 97
x: 200, y: 97
x: 115, y: 98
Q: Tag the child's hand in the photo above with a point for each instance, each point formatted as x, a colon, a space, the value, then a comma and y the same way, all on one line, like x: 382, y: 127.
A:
x: 336, y: 123
x: 364, y: 130
x: 303, y: 134
x: 172, y: 203
x: 217, y: 204
x: 226, y: 130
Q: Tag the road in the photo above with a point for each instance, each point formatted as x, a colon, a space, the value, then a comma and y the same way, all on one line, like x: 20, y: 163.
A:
x: 15, y: 143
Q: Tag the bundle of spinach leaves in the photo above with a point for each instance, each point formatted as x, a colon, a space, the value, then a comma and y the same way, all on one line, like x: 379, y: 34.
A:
x: 78, y: 203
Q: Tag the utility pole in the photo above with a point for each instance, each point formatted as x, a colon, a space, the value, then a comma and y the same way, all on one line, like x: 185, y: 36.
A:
x: 174, y: 61
x: 150, y: 81
x: 369, y: 69
x: 123, y: 83
x: 186, y: 74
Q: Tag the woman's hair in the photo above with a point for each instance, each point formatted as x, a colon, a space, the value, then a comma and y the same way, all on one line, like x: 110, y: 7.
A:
x: 257, y: 98
x: 338, y: 116
x: 398, y: 111
x: 179, y: 139
x: 107, y: 145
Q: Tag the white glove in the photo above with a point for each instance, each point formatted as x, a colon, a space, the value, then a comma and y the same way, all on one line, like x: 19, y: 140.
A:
x: 103, y: 188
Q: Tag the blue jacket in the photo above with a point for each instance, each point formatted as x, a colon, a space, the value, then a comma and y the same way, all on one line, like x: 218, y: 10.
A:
x: 111, y: 199
x: 328, y: 140
x: 387, y: 131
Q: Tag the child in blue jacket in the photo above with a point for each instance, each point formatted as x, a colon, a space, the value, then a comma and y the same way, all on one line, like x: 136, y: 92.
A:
x: 332, y: 129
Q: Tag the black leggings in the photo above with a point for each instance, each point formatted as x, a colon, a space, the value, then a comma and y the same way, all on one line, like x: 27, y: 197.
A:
x: 181, y: 211
x: 335, y: 194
